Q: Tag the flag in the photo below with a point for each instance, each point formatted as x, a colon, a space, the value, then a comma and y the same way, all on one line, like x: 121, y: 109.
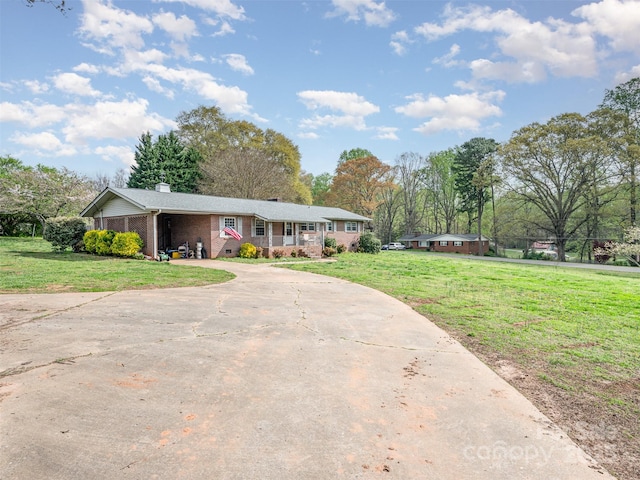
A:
x: 230, y: 231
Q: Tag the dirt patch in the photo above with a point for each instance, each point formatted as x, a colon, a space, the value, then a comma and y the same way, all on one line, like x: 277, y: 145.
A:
x: 607, y: 430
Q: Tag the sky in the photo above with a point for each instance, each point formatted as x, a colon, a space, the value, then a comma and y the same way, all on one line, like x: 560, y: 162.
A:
x: 77, y: 90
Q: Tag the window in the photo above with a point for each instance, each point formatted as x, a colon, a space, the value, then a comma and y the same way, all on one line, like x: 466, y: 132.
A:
x: 329, y: 226
x: 307, y: 227
x: 350, y: 226
x: 259, y: 228
x: 231, y: 222
x: 443, y: 243
x: 457, y: 243
x: 423, y: 243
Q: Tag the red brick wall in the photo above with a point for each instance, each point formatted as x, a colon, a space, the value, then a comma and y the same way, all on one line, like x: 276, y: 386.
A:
x: 466, y: 247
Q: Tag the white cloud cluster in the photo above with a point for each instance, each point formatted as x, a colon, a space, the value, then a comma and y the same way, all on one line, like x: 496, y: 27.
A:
x: 373, y: 13
x: 351, y: 109
x: 531, y: 49
x: 452, y: 112
x: 80, y: 123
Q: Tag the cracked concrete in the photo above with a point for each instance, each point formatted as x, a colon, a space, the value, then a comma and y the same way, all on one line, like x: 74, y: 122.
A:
x: 276, y: 374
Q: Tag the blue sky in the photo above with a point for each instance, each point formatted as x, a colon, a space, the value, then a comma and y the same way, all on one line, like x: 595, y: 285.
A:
x: 78, y: 90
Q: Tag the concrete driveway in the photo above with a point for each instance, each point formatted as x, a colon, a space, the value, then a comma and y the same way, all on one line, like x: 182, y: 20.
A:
x: 274, y: 375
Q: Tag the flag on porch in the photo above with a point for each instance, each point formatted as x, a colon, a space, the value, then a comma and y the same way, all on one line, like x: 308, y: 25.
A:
x: 232, y: 232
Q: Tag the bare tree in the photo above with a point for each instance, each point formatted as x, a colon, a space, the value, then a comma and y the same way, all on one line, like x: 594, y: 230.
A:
x: 246, y: 173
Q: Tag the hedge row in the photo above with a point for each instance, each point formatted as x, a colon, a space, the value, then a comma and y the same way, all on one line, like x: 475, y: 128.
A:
x: 108, y: 242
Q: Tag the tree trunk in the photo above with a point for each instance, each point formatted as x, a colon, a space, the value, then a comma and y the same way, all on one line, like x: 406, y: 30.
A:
x: 480, y: 249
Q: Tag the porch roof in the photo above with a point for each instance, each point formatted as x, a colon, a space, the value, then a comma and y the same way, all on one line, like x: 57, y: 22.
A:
x: 189, y: 203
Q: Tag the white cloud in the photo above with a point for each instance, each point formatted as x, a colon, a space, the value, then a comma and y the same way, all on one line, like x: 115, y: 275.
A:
x: 86, y: 68
x: 112, y: 27
x: 124, y: 154
x: 223, y: 8
x: 623, y: 77
x: 31, y: 114
x: 618, y: 20
x: 154, y: 85
x: 118, y: 120
x: 36, y: 87
x: 224, y: 28
x: 448, y: 59
x: 561, y: 48
x: 179, y: 28
x: 386, y: 133
x: 74, y: 84
x: 346, y: 102
x: 44, y: 141
x: 453, y: 112
x: 373, y: 13
x: 351, y: 107
x: 399, y: 41
x: 308, y: 135
x: 239, y: 63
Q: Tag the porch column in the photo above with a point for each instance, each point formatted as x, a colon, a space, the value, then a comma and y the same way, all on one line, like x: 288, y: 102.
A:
x: 270, y: 234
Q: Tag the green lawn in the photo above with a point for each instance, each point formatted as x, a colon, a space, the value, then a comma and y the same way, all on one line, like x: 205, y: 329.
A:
x: 29, y: 266
x: 575, y: 333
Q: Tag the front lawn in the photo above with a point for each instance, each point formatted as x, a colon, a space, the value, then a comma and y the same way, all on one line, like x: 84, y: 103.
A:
x: 29, y: 266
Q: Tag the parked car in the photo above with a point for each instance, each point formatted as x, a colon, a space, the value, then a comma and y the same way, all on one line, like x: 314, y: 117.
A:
x: 393, y: 246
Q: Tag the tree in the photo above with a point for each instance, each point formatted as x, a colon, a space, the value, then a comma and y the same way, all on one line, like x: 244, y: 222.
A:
x: 387, y: 211
x: 244, y: 173
x: 410, y: 168
x: 625, y: 99
x: 60, y: 5
x: 320, y: 185
x: 165, y: 160
x: 439, y: 180
x: 628, y: 248
x: 550, y: 166
x: 207, y: 130
x: 353, y: 154
x: 473, y: 177
x: 44, y: 192
x: 357, y: 185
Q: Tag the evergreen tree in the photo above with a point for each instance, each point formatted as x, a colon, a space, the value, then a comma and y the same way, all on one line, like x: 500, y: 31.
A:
x: 165, y: 160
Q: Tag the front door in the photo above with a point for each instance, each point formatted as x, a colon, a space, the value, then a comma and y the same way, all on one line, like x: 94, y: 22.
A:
x: 288, y: 233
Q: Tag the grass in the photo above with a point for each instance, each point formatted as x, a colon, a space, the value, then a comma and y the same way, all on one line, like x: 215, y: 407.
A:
x: 29, y: 266
x: 573, y: 331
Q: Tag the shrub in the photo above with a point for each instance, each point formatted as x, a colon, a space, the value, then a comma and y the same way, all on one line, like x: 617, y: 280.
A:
x: 302, y: 253
x: 278, y: 253
x: 65, y: 232
x: 126, y: 244
x: 330, y: 242
x: 294, y: 254
x: 341, y: 248
x: 329, y: 251
x: 90, y: 238
x: 103, y: 242
x: 369, y: 243
x: 259, y: 252
x: 247, y: 250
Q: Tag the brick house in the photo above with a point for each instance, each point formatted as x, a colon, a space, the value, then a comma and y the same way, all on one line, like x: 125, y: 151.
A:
x: 447, y: 242
x: 170, y: 221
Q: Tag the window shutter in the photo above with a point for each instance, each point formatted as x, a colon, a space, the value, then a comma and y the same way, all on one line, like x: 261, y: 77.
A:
x: 221, y: 222
x: 239, y: 225
x: 253, y: 227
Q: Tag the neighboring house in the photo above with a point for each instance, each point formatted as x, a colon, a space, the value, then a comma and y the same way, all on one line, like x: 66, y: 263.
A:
x: 168, y: 220
x: 447, y: 242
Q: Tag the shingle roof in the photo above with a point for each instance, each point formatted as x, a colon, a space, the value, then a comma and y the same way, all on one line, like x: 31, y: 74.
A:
x: 175, y: 202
